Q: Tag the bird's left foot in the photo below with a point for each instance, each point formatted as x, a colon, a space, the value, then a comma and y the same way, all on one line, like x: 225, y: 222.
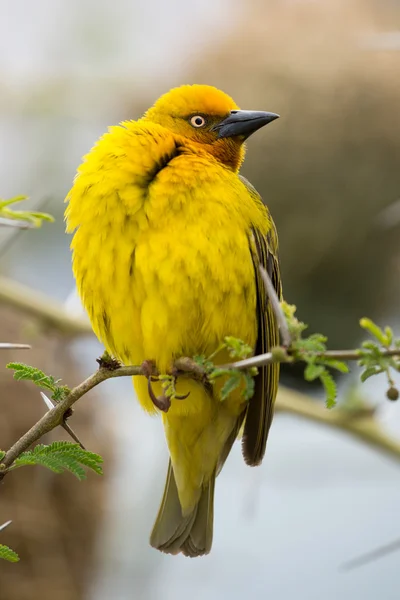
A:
x: 162, y: 402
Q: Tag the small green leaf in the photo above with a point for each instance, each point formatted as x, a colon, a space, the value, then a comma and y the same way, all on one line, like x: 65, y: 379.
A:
x: 389, y: 335
x: 33, y: 217
x: 339, y: 365
x: 7, y: 554
x: 312, y: 371
x: 295, y: 326
x: 374, y: 330
x: 204, y: 362
x: 2, y: 454
x: 249, y: 386
x: 330, y: 388
x: 237, y: 348
x: 368, y: 345
x: 25, y: 372
x: 4, y: 203
x: 47, y: 382
x: 230, y: 384
x: 59, y: 457
x: 370, y: 372
x: 60, y: 393
x: 217, y: 372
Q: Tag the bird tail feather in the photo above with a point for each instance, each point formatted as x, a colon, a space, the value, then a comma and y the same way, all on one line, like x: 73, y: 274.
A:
x: 190, y: 534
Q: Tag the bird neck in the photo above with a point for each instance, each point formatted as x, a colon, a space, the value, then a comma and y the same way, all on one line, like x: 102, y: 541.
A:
x: 228, y: 151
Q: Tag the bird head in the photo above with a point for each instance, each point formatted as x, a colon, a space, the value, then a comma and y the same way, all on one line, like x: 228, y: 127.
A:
x: 205, y: 116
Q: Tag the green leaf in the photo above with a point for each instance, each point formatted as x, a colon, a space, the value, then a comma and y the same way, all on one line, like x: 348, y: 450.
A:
x: 312, y: 371
x: 33, y: 217
x: 374, y: 330
x: 25, y: 372
x: 204, y: 362
x: 370, y: 372
x: 59, y: 457
x: 389, y: 335
x: 4, y: 203
x: 368, y: 345
x: 7, y: 554
x: 231, y: 384
x: 330, y: 388
x: 339, y: 365
x: 47, y: 382
x: 249, y: 386
x: 237, y: 348
x: 295, y: 326
x: 60, y: 393
x: 2, y: 454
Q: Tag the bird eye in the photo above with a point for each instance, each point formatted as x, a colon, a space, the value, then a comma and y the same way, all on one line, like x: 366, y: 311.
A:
x: 197, y: 121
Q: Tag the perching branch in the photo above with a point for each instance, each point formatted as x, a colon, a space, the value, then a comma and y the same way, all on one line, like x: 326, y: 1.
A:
x: 55, y: 416
x: 361, y: 426
x: 4, y: 222
x: 277, y: 355
x: 50, y: 405
x: 8, y: 346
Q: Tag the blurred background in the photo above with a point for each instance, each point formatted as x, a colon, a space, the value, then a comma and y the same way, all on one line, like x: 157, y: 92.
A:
x: 329, y: 171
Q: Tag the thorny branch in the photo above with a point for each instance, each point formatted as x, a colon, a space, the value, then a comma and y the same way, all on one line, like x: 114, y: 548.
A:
x: 276, y: 355
x: 286, y: 338
x: 4, y: 222
x: 363, y: 428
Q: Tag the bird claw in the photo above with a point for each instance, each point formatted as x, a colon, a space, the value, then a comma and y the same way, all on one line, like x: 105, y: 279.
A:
x: 161, y: 402
x: 182, y: 396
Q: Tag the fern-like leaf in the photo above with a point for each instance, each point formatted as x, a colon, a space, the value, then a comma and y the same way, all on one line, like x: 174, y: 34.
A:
x: 7, y: 554
x: 59, y: 457
x: 47, y: 382
x: 26, y: 372
x: 330, y: 388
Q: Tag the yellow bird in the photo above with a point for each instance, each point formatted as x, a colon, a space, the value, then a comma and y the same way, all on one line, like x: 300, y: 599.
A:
x: 167, y: 243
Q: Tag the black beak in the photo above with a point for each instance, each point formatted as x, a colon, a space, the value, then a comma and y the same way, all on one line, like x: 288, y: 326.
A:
x: 243, y: 123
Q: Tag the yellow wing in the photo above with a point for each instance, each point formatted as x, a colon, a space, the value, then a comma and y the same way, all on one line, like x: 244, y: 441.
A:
x: 261, y: 406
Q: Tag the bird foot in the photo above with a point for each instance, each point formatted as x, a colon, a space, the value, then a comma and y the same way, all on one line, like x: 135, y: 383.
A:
x: 148, y: 368
x: 162, y: 402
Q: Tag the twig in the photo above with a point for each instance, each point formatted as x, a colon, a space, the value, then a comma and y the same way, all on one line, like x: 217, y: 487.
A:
x: 286, y: 338
x: 6, y: 346
x: 368, y: 557
x: 50, y: 405
x: 48, y: 311
x: 4, y: 222
x: 270, y: 357
x: 6, y: 524
x: 361, y: 426
x: 55, y: 416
